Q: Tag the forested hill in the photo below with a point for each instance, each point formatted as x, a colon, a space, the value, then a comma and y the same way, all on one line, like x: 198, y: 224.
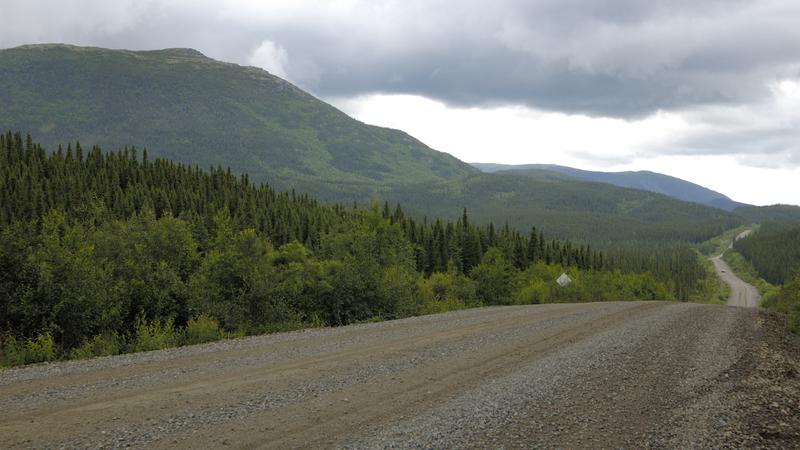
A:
x: 774, y: 251
x: 102, y: 253
x: 779, y: 213
x: 192, y: 109
x: 643, y: 180
x: 599, y: 213
x: 189, y: 108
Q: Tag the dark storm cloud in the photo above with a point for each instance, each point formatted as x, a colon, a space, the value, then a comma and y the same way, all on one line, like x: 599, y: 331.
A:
x: 620, y: 58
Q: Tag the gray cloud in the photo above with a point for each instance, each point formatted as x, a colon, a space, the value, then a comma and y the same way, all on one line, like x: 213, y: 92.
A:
x: 620, y: 58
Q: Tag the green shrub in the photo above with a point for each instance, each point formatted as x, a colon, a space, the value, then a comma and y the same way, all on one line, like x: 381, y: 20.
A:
x: 535, y: 292
x: 202, y: 328
x: 99, y: 345
x: 155, y: 335
x: 12, y: 354
x: 441, y: 292
x: 786, y: 301
x: 39, y: 349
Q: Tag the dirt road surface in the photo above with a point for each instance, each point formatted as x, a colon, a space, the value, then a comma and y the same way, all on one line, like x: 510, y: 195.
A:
x: 627, y: 374
x: 742, y: 293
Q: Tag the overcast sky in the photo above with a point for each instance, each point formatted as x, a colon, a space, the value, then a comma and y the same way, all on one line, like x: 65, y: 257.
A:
x: 708, y: 90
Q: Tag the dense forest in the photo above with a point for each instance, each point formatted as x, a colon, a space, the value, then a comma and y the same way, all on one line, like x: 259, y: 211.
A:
x: 774, y: 252
x: 102, y: 253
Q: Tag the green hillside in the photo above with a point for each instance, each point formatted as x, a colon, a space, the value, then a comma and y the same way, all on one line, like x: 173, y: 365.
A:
x: 643, y: 180
x: 187, y: 107
x: 592, y: 212
x: 759, y: 214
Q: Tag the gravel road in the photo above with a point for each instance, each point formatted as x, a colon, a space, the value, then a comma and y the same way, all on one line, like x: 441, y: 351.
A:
x: 619, y: 374
x: 742, y: 294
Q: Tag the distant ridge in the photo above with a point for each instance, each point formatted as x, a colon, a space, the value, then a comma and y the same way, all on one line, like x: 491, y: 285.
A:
x: 643, y: 180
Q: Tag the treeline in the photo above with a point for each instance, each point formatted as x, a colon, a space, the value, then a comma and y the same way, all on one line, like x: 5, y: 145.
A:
x: 787, y: 301
x: 678, y: 266
x: 102, y: 253
x: 773, y: 250
x: 126, y: 183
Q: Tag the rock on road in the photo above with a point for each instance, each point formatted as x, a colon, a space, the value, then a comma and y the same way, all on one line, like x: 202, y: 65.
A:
x: 617, y: 374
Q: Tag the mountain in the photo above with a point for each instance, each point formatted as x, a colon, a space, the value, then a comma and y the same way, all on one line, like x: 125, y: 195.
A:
x: 189, y: 108
x: 644, y: 180
x: 186, y: 107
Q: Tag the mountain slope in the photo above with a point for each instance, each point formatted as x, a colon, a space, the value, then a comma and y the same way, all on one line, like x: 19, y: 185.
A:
x: 192, y: 109
x: 644, y: 180
x: 187, y: 107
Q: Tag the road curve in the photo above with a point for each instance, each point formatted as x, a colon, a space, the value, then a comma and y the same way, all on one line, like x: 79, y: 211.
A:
x: 617, y: 374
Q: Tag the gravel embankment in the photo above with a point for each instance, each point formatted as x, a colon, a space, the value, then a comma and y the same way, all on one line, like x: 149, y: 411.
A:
x: 638, y: 374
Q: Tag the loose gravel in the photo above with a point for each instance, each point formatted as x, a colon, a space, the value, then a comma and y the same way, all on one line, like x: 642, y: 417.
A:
x: 618, y: 374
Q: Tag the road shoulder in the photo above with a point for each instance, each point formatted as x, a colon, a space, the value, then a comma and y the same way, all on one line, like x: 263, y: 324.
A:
x: 766, y: 393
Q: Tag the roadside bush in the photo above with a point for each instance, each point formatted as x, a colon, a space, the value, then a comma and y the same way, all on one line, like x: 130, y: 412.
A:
x: 155, y: 335
x: 441, y: 292
x: 40, y: 349
x: 495, y: 277
x: 36, y: 350
x: 99, y: 345
x: 535, y: 292
x: 12, y: 355
x: 202, y: 328
x: 787, y: 301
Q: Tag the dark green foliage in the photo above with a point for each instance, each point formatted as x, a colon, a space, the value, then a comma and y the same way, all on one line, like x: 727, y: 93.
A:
x: 495, y: 277
x: 787, y: 301
x: 771, y: 256
x: 677, y: 266
x: 773, y: 250
x: 104, y: 253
